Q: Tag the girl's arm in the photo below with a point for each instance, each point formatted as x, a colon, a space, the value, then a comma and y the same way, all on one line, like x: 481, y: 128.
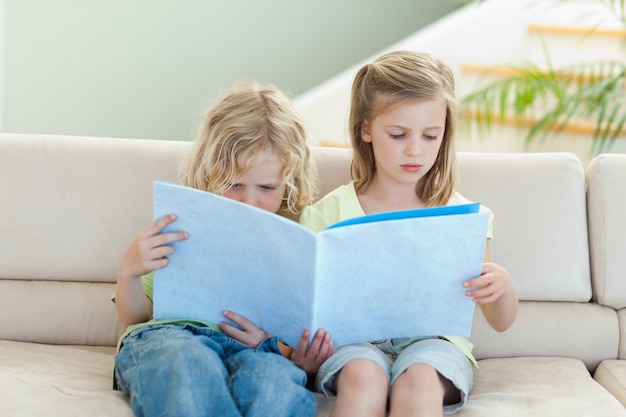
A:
x: 495, y: 293
x: 148, y: 252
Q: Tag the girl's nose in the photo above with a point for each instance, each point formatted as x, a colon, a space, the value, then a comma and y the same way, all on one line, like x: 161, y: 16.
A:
x: 413, y: 148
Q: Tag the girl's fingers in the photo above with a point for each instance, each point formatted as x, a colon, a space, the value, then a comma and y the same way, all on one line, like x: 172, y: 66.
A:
x: 327, y: 345
x: 321, y: 346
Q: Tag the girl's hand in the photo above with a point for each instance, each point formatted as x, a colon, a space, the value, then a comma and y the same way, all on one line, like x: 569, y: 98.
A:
x: 150, y: 249
x: 495, y: 294
x: 248, y: 333
x: 310, y: 358
x: 493, y: 283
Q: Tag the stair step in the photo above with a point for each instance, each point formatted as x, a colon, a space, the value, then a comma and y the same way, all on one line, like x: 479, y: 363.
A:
x: 504, y: 71
x: 577, y: 30
x: 574, y: 126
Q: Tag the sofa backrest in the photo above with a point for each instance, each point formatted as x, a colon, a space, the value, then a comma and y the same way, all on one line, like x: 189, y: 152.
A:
x: 71, y: 205
x: 69, y: 208
x: 540, y: 225
x: 606, y: 201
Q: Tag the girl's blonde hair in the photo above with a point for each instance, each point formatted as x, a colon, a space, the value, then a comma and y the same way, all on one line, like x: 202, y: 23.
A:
x: 393, y: 79
x: 249, y: 120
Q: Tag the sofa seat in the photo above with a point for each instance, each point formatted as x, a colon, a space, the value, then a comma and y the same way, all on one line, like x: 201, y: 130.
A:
x: 538, y: 387
x: 66, y: 380
x: 612, y: 375
x: 58, y: 380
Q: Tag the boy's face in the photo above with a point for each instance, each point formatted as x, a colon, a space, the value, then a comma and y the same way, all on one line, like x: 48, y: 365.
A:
x: 262, y: 185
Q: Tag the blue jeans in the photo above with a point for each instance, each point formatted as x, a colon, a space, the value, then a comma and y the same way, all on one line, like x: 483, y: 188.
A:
x: 185, y: 370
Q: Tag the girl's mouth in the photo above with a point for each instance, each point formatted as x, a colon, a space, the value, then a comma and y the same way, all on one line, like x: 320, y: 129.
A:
x: 411, y: 167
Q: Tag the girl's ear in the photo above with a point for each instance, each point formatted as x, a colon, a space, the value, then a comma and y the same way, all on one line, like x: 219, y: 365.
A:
x: 366, y: 134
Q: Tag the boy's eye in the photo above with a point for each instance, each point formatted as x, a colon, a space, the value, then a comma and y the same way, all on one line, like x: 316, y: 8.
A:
x: 431, y: 137
x: 235, y: 186
x: 267, y: 187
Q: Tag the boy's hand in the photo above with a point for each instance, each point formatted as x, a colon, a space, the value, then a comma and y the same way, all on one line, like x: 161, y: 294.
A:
x: 150, y: 249
x: 248, y: 333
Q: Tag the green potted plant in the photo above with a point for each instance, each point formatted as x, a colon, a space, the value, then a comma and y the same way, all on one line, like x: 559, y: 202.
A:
x: 555, y: 98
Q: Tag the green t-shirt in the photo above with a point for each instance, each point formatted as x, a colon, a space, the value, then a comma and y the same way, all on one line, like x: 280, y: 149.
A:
x: 148, y: 286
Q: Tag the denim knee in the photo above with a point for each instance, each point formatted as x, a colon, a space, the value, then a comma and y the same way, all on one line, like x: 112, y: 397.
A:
x: 264, y: 383
x: 169, y: 371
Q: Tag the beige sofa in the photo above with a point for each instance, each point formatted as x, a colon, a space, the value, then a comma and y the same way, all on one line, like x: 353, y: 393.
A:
x: 69, y: 206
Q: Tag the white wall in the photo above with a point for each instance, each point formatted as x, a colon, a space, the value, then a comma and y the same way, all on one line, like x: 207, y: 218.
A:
x: 145, y: 68
x: 493, y: 32
x: 2, y: 60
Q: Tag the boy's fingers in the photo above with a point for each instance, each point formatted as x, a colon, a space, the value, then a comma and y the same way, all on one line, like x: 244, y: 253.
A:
x: 156, y: 227
x: 243, y: 322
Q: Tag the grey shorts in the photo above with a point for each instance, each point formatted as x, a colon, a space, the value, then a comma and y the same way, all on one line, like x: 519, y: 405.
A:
x: 396, y: 355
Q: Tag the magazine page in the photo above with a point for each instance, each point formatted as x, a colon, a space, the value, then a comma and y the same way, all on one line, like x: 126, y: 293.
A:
x: 399, y: 278
x: 237, y: 258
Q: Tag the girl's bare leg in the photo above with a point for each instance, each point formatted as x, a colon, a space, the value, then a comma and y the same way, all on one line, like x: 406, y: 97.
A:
x: 361, y: 390
x: 421, y: 391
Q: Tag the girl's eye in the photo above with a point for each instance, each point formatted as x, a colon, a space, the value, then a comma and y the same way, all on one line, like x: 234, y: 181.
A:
x: 267, y: 187
x: 396, y: 135
x: 235, y: 186
x: 431, y: 137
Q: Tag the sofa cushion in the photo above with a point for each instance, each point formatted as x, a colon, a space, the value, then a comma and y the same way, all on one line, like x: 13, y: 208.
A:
x: 606, y: 199
x: 333, y: 167
x: 43, y: 380
x: 538, y: 387
x: 76, y: 202
x: 540, y: 225
x: 612, y: 375
x: 56, y: 312
x: 40, y: 380
x: 586, y: 331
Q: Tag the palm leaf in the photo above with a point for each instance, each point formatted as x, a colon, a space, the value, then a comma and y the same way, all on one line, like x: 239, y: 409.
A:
x: 590, y: 91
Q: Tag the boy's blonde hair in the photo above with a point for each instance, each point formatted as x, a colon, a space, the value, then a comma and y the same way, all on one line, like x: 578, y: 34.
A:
x: 250, y: 119
x: 394, y: 79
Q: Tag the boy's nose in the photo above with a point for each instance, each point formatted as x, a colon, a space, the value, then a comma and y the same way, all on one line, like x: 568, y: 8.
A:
x: 249, y: 198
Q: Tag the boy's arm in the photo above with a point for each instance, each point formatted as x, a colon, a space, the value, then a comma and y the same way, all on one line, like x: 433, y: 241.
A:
x: 308, y: 357
x: 147, y: 252
x: 132, y: 303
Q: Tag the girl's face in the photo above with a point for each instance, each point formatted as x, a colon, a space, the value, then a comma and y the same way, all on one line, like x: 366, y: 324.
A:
x: 406, y: 140
x: 262, y: 185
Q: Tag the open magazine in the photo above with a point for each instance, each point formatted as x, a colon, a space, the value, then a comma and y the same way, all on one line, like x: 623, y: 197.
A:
x: 380, y: 276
